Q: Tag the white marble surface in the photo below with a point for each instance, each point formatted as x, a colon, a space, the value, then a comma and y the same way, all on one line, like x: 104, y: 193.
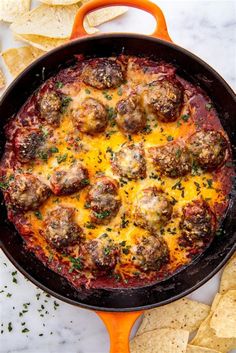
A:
x: 207, y: 28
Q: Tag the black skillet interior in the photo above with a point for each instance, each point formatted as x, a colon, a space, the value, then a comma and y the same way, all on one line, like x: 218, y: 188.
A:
x: 189, y: 278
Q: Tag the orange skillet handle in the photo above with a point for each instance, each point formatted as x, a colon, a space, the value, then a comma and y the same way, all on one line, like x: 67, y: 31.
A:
x: 161, y: 28
x: 119, y: 326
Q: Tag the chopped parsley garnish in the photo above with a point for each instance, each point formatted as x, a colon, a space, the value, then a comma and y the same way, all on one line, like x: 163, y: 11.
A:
x: 85, y: 182
x: 87, y: 91
x: 62, y: 158
x: 209, y: 183
x: 90, y: 225
x: 59, y: 84
x: 9, y: 326
x: 38, y: 215
x: 124, y: 221
x: 106, y: 251
x: 107, y: 95
x: 4, y: 185
x: 103, y: 214
x: 185, y: 117
x: 65, y: 102
x: 25, y: 330
x: 54, y: 149
x: 119, y: 91
x: 170, y: 138
x: 76, y: 263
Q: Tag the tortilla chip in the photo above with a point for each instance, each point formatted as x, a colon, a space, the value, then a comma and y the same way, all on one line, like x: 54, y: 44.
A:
x: 17, y: 59
x: 223, y: 320
x: 59, y: 2
x: 206, y: 336
x: 183, y: 314
x: 197, y: 349
x: 98, y: 17
x: 88, y: 28
x: 10, y: 10
x: 228, y: 278
x: 47, y: 21
x: 2, y: 80
x: 40, y: 42
x: 165, y: 340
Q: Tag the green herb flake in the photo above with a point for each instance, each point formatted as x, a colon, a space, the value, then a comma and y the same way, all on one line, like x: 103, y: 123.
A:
x: 65, y: 102
x: 170, y: 138
x: 25, y: 330
x: 209, y: 183
x: 38, y: 215
x: 61, y: 158
x: 103, y: 214
x: 85, y: 182
x: 106, y: 251
x: 107, y: 95
x: 90, y: 225
x: 59, y: 84
x: 185, y: 117
x: 119, y: 91
x: 87, y: 91
x: 76, y: 263
x: 54, y: 149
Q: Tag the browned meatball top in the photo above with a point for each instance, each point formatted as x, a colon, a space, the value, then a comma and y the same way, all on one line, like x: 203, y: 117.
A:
x: 208, y: 148
x: 131, y: 117
x: 90, y: 117
x: 67, y: 180
x: 197, y: 223
x: 150, y: 253
x: 103, y: 200
x: 50, y: 106
x: 103, y: 252
x: 152, y: 209
x: 129, y: 161
x: 172, y: 159
x: 27, y: 192
x: 103, y: 73
x: 60, y: 229
x: 164, y: 99
x: 27, y: 144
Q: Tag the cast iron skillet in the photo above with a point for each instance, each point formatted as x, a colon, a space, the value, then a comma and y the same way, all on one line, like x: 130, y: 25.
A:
x: 188, y: 66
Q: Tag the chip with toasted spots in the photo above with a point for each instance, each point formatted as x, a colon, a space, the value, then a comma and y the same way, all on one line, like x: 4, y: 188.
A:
x: 41, y: 42
x: 206, y: 336
x: 17, y: 59
x: 182, y: 314
x: 47, y: 21
x: 166, y: 340
x: 223, y: 319
x: 2, y: 79
x: 98, y: 17
x: 228, y: 278
x: 10, y: 10
x: 197, y: 349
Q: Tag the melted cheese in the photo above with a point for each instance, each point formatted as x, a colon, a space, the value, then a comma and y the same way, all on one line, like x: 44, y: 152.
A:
x: 93, y: 152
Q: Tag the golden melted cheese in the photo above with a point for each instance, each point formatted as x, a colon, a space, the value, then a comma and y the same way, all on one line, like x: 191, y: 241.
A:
x: 93, y: 152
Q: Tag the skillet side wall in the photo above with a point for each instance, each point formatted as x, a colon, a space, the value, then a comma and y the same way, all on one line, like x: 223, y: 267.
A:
x: 189, y: 278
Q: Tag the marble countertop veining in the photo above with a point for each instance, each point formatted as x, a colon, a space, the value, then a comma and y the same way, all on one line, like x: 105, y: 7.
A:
x: 208, y: 29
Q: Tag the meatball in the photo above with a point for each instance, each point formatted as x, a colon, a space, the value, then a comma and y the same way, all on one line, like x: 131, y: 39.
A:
x: 172, y: 159
x: 103, y: 252
x: 103, y: 73
x: 50, y: 106
x: 60, y: 229
x: 103, y: 200
x: 131, y: 117
x: 27, y: 143
x: 150, y: 253
x: 27, y: 192
x: 197, y: 223
x: 152, y: 209
x: 129, y: 162
x: 91, y: 116
x: 164, y: 99
x: 208, y: 148
x: 65, y: 181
